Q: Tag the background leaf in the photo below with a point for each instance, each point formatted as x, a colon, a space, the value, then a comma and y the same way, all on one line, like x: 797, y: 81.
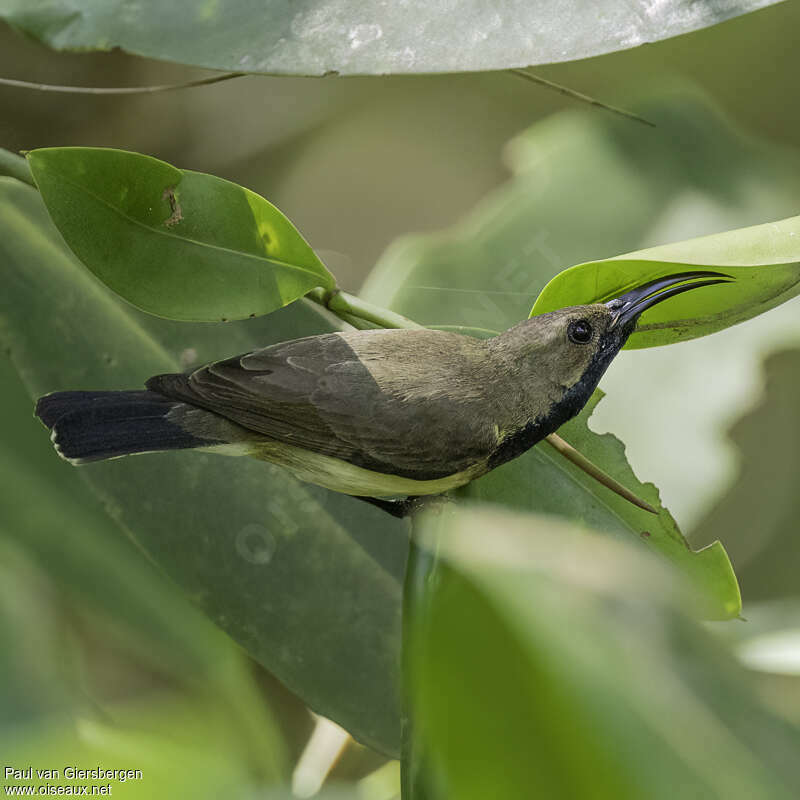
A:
x: 601, y: 684
x: 764, y: 260
x: 179, y: 244
x: 305, y: 580
x: 758, y: 514
x: 354, y: 38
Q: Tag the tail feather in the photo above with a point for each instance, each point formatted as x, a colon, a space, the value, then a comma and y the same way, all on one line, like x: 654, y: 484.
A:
x: 52, y: 407
x: 92, y: 426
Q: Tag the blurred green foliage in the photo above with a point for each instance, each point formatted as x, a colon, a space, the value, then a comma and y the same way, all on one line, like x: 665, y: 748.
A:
x: 93, y: 634
x: 603, y: 686
x: 760, y: 510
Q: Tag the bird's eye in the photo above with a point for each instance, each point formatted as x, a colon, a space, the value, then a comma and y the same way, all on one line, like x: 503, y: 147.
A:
x: 580, y: 331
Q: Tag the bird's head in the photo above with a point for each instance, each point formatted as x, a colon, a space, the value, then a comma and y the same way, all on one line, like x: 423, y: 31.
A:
x: 573, y: 346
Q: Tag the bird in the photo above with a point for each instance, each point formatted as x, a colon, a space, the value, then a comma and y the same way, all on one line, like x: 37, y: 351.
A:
x: 390, y: 416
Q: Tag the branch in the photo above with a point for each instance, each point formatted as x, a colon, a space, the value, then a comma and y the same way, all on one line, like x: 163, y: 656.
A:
x: 346, y: 306
x: 583, y: 98
x: 113, y: 90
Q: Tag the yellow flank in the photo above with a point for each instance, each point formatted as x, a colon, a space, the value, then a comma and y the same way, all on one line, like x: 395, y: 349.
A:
x: 341, y: 476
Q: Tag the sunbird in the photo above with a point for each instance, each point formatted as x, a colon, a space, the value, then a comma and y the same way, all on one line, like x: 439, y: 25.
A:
x: 377, y: 414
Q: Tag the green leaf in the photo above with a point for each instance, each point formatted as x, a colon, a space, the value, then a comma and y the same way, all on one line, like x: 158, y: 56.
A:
x: 763, y: 259
x: 351, y: 37
x: 176, y: 243
x: 541, y: 480
x: 305, y: 580
x: 548, y: 661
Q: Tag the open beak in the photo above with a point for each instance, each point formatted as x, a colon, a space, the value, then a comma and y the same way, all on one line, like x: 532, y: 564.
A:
x: 629, y: 306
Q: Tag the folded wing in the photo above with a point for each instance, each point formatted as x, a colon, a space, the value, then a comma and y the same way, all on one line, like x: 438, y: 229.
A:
x: 402, y: 405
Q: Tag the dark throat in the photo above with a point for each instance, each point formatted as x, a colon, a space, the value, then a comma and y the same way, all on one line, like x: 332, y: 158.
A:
x: 570, y: 404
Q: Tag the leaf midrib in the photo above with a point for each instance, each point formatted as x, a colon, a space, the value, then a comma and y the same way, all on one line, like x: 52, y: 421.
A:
x: 188, y: 240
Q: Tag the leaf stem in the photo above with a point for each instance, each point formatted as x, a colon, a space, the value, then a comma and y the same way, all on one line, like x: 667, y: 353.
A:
x: 15, y: 166
x: 580, y: 461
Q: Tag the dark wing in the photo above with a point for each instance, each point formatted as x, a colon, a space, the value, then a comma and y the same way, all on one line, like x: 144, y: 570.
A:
x: 406, y: 403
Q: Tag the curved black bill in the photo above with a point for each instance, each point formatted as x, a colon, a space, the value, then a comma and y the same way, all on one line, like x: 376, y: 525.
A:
x: 628, y: 306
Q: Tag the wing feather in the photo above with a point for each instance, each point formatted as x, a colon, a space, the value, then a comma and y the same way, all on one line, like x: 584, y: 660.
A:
x: 389, y: 401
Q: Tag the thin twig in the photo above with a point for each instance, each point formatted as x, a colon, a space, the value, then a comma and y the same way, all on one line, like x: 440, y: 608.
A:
x: 95, y: 90
x: 584, y: 98
x: 580, y: 460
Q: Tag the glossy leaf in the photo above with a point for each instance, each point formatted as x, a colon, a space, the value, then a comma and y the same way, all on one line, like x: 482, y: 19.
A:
x: 352, y: 37
x: 176, y: 243
x: 305, y: 580
x: 764, y: 260
x: 550, y: 661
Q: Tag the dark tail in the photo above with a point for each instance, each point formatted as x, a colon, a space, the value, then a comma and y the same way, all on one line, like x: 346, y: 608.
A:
x: 92, y: 426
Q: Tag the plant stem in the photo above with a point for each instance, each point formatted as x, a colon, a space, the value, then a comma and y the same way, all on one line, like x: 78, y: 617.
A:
x: 421, y: 571
x: 343, y: 303
x: 15, y: 166
x: 118, y: 90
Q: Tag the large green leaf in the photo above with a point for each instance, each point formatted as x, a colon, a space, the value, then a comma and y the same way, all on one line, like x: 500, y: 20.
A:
x: 353, y: 37
x: 53, y: 515
x: 306, y: 580
x: 548, y: 662
x: 541, y: 480
x: 179, y: 244
x: 764, y: 260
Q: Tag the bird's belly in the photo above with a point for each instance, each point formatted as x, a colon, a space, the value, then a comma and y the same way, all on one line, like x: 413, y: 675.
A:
x: 341, y: 476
